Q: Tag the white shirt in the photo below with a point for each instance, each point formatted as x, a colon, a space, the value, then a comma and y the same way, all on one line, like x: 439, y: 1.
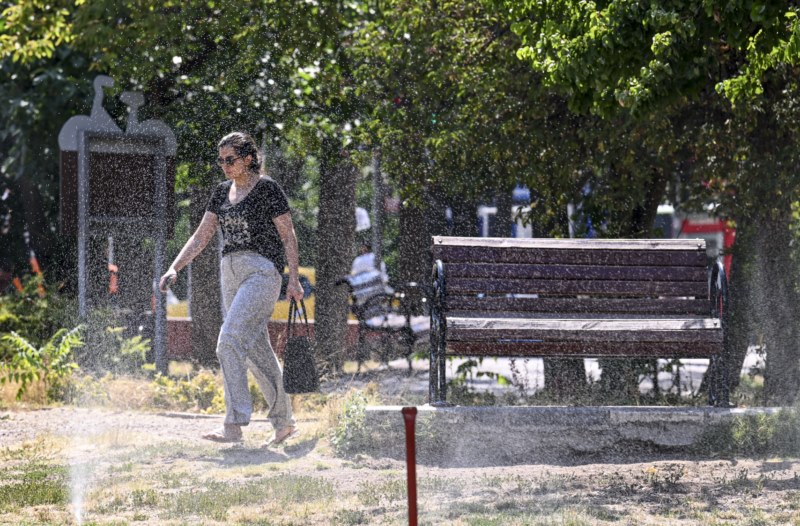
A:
x: 366, y: 263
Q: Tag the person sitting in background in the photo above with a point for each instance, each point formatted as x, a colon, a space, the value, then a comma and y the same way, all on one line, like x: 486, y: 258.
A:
x: 365, y: 262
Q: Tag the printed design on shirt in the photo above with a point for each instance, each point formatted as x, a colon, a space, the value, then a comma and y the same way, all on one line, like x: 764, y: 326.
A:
x: 236, y: 229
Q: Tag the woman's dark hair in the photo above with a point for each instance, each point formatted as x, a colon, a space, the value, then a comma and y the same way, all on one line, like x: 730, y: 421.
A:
x: 243, y: 144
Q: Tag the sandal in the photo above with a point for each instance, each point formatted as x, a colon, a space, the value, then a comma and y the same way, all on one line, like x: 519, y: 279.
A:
x: 227, y: 433
x: 282, y: 435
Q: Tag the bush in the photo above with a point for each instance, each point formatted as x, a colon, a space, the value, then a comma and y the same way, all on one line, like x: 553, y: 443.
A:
x: 111, y: 346
x: 755, y: 435
x: 87, y: 390
x: 201, y: 392
x: 51, y: 363
x: 35, y: 314
x: 349, y: 433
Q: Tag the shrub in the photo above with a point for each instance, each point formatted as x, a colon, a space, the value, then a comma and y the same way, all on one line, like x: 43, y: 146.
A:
x: 111, y: 346
x: 349, y: 433
x: 51, y: 363
x: 87, y: 390
x: 201, y: 392
x: 36, y: 313
x: 755, y: 435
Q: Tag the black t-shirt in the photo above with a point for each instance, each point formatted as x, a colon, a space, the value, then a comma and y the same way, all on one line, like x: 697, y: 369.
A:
x: 248, y: 225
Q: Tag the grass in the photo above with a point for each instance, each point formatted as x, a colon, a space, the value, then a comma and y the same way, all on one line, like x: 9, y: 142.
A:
x: 144, y: 478
x: 214, y: 500
x: 31, y: 476
x: 33, y: 486
x: 382, y: 493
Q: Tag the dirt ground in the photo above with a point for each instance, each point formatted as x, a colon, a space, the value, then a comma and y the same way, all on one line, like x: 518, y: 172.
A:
x: 149, y: 468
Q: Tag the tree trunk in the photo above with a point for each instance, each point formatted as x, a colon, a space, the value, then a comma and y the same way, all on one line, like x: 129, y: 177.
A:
x: 465, y: 217
x: 503, y: 220
x: 775, y: 290
x: 620, y: 377
x: 418, y: 222
x: 414, y: 244
x: 564, y: 378
x: 335, y: 246
x: 206, y: 301
x: 738, y: 317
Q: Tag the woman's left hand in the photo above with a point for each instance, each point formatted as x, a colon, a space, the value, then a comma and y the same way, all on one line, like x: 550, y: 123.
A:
x: 294, y: 290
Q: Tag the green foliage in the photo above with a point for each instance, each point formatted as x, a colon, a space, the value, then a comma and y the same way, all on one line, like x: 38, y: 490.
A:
x: 382, y: 493
x: 87, y: 390
x: 350, y: 433
x: 458, y: 65
x: 497, y: 124
x: 35, y: 313
x: 51, y: 363
x: 201, y: 392
x: 458, y: 386
x: 218, y: 497
x: 762, y: 434
x: 32, y: 482
x: 125, y: 355
x: 110, y: 347
x: 35, y: 99
x: 640, y: 56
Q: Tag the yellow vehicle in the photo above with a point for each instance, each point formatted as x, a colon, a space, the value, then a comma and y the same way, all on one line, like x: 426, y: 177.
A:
x: 308, y: 279
x: 281, y: 311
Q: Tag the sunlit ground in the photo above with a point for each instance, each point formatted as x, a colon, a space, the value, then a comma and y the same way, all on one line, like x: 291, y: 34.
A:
x: 124, y: 462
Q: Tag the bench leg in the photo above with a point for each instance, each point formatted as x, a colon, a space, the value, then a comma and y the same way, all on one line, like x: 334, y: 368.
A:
x: 433, y: 376
x: 438, y: 377
x: 718, y: 391
x: 409, y: 340
x: 442, y: 375
x: 434, y: 394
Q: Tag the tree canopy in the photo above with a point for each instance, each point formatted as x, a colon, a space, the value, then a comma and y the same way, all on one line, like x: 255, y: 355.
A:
x: 641, y: 55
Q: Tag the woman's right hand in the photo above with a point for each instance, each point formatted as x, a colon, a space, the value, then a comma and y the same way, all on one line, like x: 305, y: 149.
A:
x: 168, y: 279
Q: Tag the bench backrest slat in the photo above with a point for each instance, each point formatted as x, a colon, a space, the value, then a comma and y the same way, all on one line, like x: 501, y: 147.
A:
x: 668, y: 306
x: 642, y: 257
x: 658, y: 277
x: 566, y: 287
x: 560, y: 244
x: 581, y: 272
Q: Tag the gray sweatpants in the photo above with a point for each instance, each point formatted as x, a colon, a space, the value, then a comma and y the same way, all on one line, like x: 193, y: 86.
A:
x: 250, y: 288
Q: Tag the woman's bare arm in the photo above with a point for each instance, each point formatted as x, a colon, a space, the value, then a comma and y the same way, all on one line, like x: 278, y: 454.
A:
x: 196, y: 243
x: 286, y: 230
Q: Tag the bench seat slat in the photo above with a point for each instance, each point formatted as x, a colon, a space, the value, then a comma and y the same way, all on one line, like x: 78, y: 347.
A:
x: 668, y: 306
x: 705, y: 330
x: 583, y: 349
x: 566, y: 287
x: 552, y: 336
x: 584, y: 272
x: 586, y: 324
x: 695, y: 258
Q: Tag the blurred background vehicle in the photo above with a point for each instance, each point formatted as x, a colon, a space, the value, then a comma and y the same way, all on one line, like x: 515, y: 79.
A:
x: 180, y: 309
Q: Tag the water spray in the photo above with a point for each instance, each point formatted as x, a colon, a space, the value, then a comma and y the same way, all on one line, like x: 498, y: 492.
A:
x: 410, y: 415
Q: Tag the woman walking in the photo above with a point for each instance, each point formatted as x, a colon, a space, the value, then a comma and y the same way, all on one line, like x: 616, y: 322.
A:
x: 258, y: 240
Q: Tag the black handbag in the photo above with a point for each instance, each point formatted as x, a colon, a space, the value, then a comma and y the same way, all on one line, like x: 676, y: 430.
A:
x: 299, y: 367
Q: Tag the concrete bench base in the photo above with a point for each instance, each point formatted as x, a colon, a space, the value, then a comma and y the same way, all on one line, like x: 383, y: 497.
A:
x: 491, y: 436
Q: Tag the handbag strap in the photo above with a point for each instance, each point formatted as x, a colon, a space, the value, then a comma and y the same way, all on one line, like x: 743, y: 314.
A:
x: 294, y: 313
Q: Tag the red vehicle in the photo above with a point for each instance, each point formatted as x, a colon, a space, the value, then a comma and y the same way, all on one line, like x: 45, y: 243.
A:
x: 718, y: 233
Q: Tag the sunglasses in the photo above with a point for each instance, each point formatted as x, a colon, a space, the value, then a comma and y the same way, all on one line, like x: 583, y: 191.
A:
x: 227, y: 160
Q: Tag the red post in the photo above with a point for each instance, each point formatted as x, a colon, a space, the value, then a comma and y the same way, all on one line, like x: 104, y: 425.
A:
x: 410, y: 415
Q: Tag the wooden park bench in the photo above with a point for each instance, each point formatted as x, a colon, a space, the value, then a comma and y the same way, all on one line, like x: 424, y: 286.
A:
x: 576, y: 298
x: 395, y: 314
